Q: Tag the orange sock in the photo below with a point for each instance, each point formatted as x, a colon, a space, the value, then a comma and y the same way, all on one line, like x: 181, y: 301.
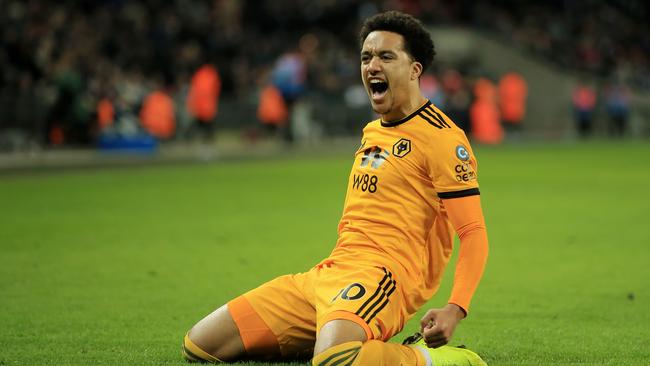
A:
x: 370, y: 353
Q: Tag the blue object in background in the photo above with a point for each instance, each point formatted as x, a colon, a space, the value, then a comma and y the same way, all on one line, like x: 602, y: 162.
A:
x: 141, y: 143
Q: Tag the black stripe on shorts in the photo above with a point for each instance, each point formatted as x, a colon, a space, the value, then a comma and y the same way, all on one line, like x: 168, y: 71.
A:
x: 383, y: 305
x: 387, y: 277
x: 379, y: 299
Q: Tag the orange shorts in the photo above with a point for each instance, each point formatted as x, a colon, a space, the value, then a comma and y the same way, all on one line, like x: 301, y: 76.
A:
x: 285, y: 314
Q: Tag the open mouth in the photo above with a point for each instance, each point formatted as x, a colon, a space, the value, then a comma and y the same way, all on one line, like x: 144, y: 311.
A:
x: 378, y: 88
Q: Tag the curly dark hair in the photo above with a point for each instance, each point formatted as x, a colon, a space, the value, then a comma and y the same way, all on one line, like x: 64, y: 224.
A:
x: 417, y: 41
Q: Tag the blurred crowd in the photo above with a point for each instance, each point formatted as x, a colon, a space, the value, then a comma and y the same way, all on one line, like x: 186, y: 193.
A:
x: 69, y: 69
x: 605, y: 38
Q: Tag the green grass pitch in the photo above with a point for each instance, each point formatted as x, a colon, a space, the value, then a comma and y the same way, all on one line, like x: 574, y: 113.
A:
x: 112, y: 266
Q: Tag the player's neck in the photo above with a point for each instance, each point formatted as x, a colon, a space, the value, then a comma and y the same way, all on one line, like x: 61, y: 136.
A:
x: 404, y: 109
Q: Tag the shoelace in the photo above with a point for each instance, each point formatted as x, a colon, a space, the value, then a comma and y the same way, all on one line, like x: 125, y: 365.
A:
x: 412, y: 339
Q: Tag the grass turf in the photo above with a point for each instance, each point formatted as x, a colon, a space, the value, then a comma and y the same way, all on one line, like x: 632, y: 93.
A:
x: 111, y: 267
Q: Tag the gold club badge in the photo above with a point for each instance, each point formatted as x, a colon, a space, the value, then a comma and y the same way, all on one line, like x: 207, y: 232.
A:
x: 402, y: 147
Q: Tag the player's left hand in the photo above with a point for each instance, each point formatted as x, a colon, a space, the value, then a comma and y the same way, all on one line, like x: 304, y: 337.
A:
x: 438, y: 325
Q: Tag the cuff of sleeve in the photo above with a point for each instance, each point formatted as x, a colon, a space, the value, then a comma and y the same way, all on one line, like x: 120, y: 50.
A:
x: 464, y: 308
x: 459, y: 194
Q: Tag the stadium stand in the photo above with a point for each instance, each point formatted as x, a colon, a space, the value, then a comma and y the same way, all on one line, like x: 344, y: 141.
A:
x: 59, y: 60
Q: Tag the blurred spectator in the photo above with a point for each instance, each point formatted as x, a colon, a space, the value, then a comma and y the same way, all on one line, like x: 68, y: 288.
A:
x: 70, y: 113
x: 484, y: 114
x: 431, y: 90
x: 289, y: 76
x: 203, y: 99
x: 272, y: 110
x: 512, y: 100
x: 56, y: 136
x: 617, y: 103
x: 458, y: 99
x: 105, y: 113
x: 158, y: 115
x: 584, y: 104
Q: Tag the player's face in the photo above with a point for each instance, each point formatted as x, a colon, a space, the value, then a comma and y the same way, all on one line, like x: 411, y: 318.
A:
x: 386, y: 71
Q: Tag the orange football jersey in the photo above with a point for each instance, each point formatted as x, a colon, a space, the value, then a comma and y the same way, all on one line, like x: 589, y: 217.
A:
x: 394, y: 214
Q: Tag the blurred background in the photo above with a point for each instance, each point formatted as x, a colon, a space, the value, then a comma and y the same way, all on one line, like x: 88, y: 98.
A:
x: 149, y: 76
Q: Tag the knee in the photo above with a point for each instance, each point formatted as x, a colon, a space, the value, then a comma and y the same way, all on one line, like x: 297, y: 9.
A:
x: 338, y: 331
x: 214, y: 339
x: 339, y: 342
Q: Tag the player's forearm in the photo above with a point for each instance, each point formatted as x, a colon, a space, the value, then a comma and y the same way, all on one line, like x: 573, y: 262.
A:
x: 472, y: 257
x: 466, y: 216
